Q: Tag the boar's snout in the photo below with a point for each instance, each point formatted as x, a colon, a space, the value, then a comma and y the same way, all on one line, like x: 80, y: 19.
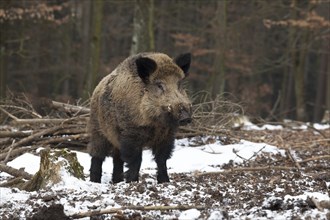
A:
x: 184, y: 116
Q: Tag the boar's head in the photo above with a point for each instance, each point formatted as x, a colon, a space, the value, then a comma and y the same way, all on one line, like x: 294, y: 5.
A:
x: 164, y: 99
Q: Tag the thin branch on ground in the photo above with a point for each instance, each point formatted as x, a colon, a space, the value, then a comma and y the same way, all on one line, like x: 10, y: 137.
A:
x: 288, y: 151
x: 247, y: 169
x: 141, y: 208
x: 322, y: 157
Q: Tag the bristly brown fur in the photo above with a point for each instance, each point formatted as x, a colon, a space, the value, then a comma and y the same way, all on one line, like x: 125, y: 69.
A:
x: 125, y: 107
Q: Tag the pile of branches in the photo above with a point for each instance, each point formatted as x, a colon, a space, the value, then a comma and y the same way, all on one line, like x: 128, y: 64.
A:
x: 29, y: 123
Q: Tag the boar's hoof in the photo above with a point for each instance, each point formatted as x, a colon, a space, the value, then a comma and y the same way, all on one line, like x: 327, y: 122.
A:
x: 131, y: 176
x: 163, y: 179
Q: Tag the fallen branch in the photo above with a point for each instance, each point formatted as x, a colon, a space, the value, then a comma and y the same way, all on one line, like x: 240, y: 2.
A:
x: 14, y: 134
x: 39, y: 121
x: 247, y: 169
x: 34, y: 136
x: 142, y: 208
x: 71, y: 108
x: 16, y: 152
x: 67, y: 138
x: 13, y: 182
x: 15, y: 172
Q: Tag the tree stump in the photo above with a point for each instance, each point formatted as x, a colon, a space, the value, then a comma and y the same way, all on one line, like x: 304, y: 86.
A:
x: 52, y: 164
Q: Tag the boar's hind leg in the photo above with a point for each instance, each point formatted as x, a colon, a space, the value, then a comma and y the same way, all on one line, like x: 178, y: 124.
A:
x: 118, y: 167
x: 99, y: 147
x: 162, y: 153
x: 131, y: 154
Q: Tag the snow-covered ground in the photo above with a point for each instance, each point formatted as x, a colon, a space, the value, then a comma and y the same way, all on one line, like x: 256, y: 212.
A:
x: 186, y: 187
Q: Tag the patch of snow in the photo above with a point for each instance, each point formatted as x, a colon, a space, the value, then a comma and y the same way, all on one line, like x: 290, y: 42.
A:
x: 28, y: 161
x: 190, y: 214
x: 205, y: 158
x: 190, y: 159
x: 316, y: 195
x: 7, y: 194
x: 251, y: 126
x: 216, y: 215
x: 321, y: 126
x: 247, y: 125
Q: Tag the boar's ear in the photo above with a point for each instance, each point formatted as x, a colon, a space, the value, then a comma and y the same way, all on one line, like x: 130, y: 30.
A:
x: 183, y: 61
x: 145, y: 66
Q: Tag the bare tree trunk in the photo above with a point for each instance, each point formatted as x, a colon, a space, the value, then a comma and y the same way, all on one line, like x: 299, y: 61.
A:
x: 95, y: 46
x: 84, y: 16
x: 327, y: 74
x: 299, y: 79
x: 301, y: 70
x: 299, y: 51
x: 66, y: 75
x: 3, y: 75
x: 143, y: 28
x: 96, y: 26
x: 321, y: 87
x: 217, y: 79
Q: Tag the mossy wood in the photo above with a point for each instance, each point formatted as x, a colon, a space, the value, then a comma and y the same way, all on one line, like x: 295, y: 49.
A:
x: 51, y: 164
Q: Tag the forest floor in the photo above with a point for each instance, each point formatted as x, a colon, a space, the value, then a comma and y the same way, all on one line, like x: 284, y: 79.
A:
x: 280, y: 173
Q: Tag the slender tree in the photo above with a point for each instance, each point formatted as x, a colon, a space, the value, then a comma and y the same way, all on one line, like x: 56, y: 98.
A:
x: 94, y: 59
x: 143, y: 27
x: 218, y: 78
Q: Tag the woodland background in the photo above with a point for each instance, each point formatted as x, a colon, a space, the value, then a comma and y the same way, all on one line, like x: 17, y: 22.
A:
x: 270, y: 55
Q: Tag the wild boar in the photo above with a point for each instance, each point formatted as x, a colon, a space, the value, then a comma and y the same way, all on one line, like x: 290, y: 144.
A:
x: 140, y: 104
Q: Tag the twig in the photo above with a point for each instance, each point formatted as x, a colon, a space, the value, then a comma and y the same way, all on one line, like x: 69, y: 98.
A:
x: 247, y: 169
x: 15, y: 172
x: 8, y: 154
x: 22, y: 109
x: 10, y: 115
x: 239, y: 156
x: 323, y: 157
x: 142, y: 208
x: 256, y: 153
x: 39, y: 121
x: 288, y: 151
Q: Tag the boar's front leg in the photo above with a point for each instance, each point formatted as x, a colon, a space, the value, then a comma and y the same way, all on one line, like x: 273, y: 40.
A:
x: 96, y: 169
x: 131, y: 154
x: 118, y: 166
x: 162, y: 153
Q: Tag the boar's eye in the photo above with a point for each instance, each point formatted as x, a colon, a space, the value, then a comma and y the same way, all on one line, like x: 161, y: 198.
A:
x: 160, y: 86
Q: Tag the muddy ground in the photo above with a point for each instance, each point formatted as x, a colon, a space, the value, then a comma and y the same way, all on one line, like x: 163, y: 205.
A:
x: 281, y: 189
